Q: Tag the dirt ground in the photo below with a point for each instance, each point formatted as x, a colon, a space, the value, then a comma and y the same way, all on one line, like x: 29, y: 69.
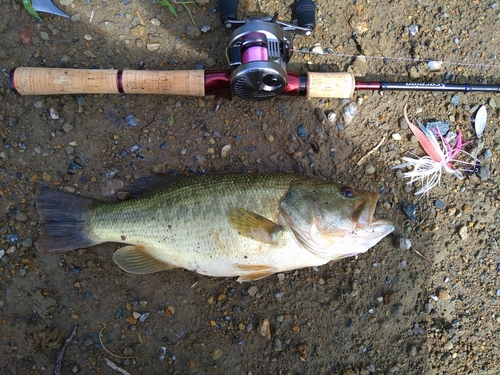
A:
x: 389, y: 311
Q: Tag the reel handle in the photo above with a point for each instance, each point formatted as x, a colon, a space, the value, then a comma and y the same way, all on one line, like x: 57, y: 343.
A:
x: 58, y: 81
x: 306, y: 13
x: 228, y: 10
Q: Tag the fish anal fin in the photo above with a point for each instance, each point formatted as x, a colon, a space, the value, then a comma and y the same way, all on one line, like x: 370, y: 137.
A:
x: 253, y: 226
x: 137, y: 259
x: 254, y: 272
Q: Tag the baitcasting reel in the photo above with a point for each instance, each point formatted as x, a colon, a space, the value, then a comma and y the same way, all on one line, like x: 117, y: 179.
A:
x: 260, y: 48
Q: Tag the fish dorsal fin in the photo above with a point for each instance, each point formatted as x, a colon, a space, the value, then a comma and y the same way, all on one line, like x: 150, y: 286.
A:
x: 254, y: 272
x: 251, y: 225
x: 137, y: 259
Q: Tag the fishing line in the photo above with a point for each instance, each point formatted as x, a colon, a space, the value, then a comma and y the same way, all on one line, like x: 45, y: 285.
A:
x: 403, y: 59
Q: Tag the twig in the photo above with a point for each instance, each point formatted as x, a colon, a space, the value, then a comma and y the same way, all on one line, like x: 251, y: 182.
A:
x: 363, y: 159
x: 115, y: 367
x: 102, y: 344
x: 57, y: 369
x: 420, y: 254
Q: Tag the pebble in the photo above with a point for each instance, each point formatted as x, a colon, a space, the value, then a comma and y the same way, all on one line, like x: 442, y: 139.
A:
x: 106, y: 25
x: 439, y: 204
x: 205, y: 28
x: 369, y: 169
x: 320, y: 115
x: 413, y: 30
x: 492, y: 103
x: 331, y: 117
x: 265, y: 329
x: 27, y: 242
x: 21, y: 216
x: 224, y: 152
x: 397, y: 309
x: 138, y: 31
x: 350, y: 111
x: 396, y: 136
x: 484, y: 173
x: 130, y: 120
x: 252, y: 291
x: 463, y: 232
x: 301, y: 131
x: 443, y: 127
x: 410, y: 210
x: 455, y: 100
x: 443, y: 294
x: 217, y: 354
x: 404, y: 244
x: 192, y: 32
x: 277, y: 345
x: 12, y: 238
x: 152, y: 46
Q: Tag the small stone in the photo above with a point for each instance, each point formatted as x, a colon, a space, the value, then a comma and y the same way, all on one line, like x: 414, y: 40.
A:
x: 224, y: 152
x: 404, y: 243
x: 192, y: 32
x: 439, y: 204
x: 320, y: 115
x: 492, y: 103
x: 265, y: 329
x: 396, y: 136
x: 350, y: 111
x: 12, y: 238
x: 131, y: 320
x: 21, y: 216
x: 443, y: 294
x: 410, y: 210
x: 397, y: 309
x: 205, y: 28
x: 301, y: 131
x: 136, y: 315
x: 217, y: 354
x: 413, y: 350
x: 332, y: 116
x: 463, y: 232
x: 153, y: 46
x: 369, y: 169
x: 484, y: 173
x: 389, y: 298
x: 277, y: 345
x: 252, y: 291
x: 138, y: 31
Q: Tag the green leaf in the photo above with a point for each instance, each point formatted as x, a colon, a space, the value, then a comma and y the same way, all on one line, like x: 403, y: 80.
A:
x: 31, y: 10
x: 171, y: 119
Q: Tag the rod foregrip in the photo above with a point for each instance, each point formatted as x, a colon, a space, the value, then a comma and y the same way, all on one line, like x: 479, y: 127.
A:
x: 330, y: 85
x: 58, y: 81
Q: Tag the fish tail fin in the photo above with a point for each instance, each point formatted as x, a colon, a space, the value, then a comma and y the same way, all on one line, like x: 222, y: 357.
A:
x: 65, y: 221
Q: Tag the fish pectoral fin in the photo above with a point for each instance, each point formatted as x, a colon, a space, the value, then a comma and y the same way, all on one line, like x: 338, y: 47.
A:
x: 254, y: 272
x: 137, y: 259
x: 251, y: 225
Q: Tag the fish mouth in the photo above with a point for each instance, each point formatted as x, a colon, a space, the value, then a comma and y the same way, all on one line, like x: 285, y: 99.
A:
x: 362, y: 211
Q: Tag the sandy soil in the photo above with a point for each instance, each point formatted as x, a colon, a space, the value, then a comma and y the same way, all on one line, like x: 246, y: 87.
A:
x: 389, y: 311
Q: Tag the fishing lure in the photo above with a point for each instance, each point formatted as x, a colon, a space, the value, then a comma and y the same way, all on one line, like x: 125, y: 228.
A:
x: 46, y: 6
x: 429, y: 169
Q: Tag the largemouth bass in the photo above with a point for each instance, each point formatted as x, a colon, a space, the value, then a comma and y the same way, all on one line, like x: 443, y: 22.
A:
x: 245, y: 225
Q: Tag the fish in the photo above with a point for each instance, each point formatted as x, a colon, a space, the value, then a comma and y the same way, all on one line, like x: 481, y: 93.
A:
x: 245, y: 225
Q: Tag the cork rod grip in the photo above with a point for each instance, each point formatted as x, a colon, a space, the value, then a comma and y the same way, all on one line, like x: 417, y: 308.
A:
x: 330, y: 85
x: 58, y: 81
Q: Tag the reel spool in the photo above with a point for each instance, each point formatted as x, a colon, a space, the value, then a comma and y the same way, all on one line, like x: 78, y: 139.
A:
x: 258, y: 53
x: 260, y: 48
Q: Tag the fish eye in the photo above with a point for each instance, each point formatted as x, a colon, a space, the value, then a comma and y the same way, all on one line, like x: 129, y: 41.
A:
x: 347, y: 192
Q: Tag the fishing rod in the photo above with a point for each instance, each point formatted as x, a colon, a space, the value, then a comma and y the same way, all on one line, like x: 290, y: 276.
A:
x: 258, y: 53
